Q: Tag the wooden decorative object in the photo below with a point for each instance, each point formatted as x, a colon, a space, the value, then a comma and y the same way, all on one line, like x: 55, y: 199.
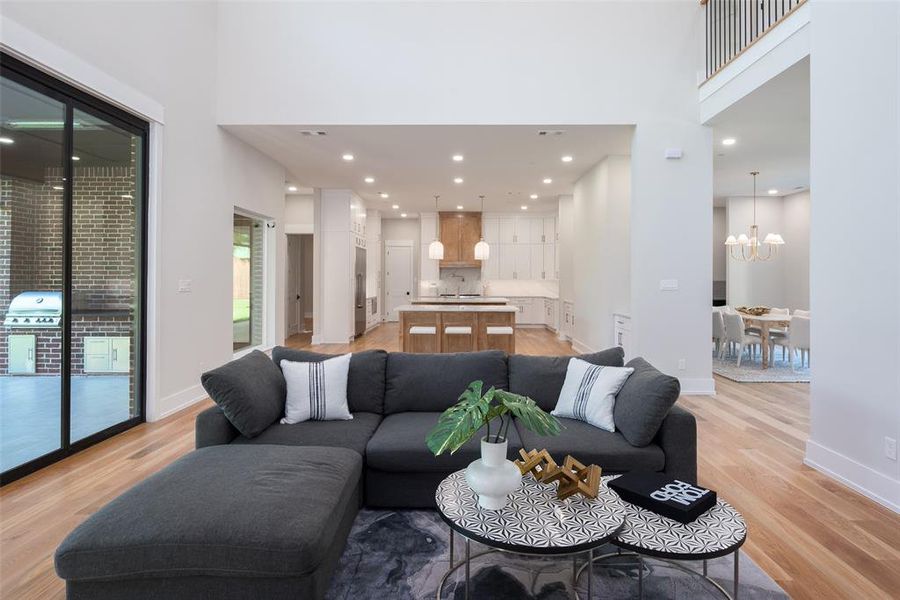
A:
x: 538, y: 463
x: 574, y: 478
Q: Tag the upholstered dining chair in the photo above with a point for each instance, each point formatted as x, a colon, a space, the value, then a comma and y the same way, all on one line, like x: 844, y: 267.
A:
x: 777, y: 335
x: 801, y: 313
x: 798, y: 339
x: 736, y: 333
x: 718, y: 330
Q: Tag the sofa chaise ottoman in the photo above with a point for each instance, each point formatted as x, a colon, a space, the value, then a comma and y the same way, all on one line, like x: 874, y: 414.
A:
x: 225, y: 522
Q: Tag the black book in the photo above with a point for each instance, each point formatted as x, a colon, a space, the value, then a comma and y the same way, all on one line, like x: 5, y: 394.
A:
x: 664, y: 495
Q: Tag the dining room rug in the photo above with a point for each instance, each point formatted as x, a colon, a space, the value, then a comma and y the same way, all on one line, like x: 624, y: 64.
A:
x: 402, y: 555
x: 751, y: 370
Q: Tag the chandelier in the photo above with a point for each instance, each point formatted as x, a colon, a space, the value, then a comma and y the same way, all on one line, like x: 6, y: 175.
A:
x: 750, y: 245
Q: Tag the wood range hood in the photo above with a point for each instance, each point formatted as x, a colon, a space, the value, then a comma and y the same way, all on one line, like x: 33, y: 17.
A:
x: 460, y: 231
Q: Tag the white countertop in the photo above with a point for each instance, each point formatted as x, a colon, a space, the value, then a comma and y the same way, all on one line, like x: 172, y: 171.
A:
x: 455, y: 300
x: 456, y: 308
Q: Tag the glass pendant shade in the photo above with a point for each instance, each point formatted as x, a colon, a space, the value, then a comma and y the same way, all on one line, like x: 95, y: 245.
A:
x: 482, y: 250
x: 436, y: 250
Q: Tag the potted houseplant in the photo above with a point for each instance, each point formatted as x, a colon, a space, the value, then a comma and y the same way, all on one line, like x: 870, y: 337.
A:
x: 492, y: 477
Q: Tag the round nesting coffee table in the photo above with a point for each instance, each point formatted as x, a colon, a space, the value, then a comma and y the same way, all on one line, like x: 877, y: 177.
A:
x: 534, y: 522
x: 718, y: 532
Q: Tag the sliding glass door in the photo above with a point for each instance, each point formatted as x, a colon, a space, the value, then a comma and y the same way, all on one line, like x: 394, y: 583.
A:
x: 72, y: 214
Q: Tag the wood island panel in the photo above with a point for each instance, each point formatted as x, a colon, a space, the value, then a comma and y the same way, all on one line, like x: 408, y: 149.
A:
x: 442, y: 342
x: 507, y: 343
x: 420, y: 343
x: 457, y: 342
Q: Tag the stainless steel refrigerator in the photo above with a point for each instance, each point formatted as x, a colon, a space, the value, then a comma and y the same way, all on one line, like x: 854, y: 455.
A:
x: 359, y: 302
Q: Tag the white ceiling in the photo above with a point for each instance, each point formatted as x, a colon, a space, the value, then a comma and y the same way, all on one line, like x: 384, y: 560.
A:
x: 412, y: 163
x: 771, y: 126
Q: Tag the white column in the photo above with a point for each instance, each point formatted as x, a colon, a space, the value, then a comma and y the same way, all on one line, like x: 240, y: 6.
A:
x: 333, y: 273
x: 855, y: 244
x: 671, y: 235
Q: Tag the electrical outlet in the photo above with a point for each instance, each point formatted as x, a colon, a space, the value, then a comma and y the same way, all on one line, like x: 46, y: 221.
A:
x: 681, y: 364
x: 890, y: 448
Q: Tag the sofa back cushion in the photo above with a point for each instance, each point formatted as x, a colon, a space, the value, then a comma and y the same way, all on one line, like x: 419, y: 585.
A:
x: 433, y: 382
x: 541, y: 378
x: 365, y: 380
x: 644, y: 401
x: 250, y: 390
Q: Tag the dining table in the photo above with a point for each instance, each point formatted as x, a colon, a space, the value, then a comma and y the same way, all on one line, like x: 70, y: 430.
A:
x: 765, y: 323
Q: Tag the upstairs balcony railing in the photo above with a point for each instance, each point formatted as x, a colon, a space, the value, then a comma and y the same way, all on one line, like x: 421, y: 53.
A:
x: 734, y: 25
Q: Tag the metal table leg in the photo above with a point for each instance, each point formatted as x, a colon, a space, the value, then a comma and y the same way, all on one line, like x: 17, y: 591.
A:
x: 452, y: 536
x: 590, y: 569
x: 467, y: 568
x: 704, y: 567
x: 640, y: 577
x: 737, y: 562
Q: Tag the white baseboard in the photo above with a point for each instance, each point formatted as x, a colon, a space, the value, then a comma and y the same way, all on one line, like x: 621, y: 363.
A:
x: 857, y: 476
x: 697, y: 387
x: 581, y: 347
x: 175, y: 402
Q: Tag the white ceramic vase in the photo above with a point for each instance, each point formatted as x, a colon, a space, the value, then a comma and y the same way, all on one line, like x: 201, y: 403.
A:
x: 492, y: 476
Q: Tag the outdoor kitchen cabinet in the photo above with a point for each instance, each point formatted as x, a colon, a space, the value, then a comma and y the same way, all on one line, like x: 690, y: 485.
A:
x: 21, y: 354
x: 107, y: 354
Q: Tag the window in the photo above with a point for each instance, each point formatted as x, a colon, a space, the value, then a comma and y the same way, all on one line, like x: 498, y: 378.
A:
x: 247, y: 260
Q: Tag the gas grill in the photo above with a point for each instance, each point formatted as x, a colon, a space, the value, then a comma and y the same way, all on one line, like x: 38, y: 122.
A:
x: 34, y: 309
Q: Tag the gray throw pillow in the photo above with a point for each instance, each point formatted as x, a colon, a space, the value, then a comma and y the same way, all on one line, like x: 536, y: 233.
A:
x: 250, y: 391
x: 541, y: 378
x: 643, y: 402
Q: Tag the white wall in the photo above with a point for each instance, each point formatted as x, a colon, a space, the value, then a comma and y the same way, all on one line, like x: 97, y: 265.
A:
x: 404, y: 229
x: 167, y: 52
x: 602, y: 267
x: 855, y: 244
x: 720, y: 232
x: 298, y: 213
x: 795, y: 227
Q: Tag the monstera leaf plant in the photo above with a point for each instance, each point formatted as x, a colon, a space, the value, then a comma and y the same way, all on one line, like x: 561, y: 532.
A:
x: 459, y: 423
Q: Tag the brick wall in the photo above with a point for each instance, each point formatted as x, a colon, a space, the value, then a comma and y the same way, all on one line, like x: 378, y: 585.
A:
x: 104, y: 262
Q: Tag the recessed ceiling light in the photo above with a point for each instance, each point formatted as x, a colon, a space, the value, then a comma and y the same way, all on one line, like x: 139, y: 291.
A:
x: 347, y: 157
x: 457, y: 158
x: 76, y: 158
x: 6, y: 140
x: 534, y: 196
x: 384, y: 195
x: 567, y: 158
x: 773, y: 191
x: 457, y: 180
x: 57, y: 187
x: 403, y: 215
x: 369, y: 180
x: 728, y: 142
x: 396, y: 206
x: 524, y: 207
x: 548, y: 180
x: 292, y: 188
x: 459, y: 207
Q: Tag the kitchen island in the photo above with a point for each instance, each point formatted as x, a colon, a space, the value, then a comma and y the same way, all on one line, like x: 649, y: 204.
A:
x: 445, y: 327
x: 462, y: 299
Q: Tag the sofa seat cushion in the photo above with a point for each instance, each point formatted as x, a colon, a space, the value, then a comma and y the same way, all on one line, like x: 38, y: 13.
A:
x: 541, y: 378
x: 224, y: 511
x: 590, y: 445
x: 353, y: 434
x: 433, y: 382
x: 399, y: 445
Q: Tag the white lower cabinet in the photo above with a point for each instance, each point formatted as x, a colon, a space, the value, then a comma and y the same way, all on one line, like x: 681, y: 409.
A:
x: 622, y: 333
x: 551, y: 312
x: 567, y: 323
x: 107, y: 354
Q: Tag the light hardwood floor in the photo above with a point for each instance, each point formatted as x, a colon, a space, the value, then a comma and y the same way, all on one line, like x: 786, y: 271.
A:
x: 816, y: 538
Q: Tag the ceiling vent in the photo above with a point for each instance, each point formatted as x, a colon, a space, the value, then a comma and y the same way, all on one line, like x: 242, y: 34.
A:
x: 312, y: 132
x: 551, y: 132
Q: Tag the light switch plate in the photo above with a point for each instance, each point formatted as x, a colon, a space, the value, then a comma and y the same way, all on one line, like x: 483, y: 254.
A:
x: 668, y: 285
x: 673, y: 153
x: 184, y: 286
x: 890, y: 448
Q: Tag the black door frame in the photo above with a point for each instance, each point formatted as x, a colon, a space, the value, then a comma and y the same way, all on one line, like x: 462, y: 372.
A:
x: 76, y: 99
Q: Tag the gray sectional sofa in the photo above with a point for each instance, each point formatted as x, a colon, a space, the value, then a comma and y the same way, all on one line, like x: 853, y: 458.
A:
x: 267, y: 516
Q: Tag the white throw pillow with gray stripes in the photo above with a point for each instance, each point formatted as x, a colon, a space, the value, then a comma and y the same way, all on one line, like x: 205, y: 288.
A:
x: 589, y: 393
x: 316, y: 391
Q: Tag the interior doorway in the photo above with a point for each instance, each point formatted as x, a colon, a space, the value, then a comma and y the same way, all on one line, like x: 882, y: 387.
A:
x: 299, y: 288
x: 398, y: 276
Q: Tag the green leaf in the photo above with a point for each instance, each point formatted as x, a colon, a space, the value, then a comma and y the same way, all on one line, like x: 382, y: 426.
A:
x: 529, y: 413
x: 459, y: 423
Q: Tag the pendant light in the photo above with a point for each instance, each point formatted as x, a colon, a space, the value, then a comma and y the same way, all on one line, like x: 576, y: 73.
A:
x: 750, y: 245
x: 482, y: 250
x: 436, y: 248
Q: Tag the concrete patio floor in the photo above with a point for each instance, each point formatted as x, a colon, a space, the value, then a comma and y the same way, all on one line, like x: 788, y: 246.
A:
x: 30, y: 412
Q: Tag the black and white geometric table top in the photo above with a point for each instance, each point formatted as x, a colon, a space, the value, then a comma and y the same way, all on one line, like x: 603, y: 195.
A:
x: 717, y: 532
x: 534, y: 521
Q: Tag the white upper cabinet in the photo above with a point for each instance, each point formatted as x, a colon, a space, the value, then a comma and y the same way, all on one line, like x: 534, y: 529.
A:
x: 536, y: 228
x: 549, y: 224
x: 523, y: 262
x: 490, y: 229
x: 506, y: 256
x: 507, y: 228
x: 549, y: 259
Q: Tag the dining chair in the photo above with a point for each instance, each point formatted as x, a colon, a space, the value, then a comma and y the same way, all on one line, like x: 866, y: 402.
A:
x: 777, y: 335
x: 718, y: 329
x: 801, y: 313
x: 736, y: 333
x: 798, y: 339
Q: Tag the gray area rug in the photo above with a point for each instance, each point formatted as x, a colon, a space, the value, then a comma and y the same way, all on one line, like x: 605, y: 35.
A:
x: 751, y: 370
x: 402, y: 555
